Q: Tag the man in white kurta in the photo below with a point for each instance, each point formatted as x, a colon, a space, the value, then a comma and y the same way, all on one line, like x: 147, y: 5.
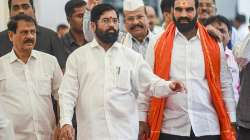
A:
x: 103, y: 84
x: 28, y: 79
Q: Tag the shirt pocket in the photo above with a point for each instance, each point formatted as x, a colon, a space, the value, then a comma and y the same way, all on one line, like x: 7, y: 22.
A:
x: 44, y: 86
x: 123, y: 78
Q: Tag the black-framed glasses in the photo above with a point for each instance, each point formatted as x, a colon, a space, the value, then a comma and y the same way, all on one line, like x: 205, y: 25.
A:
x: 108, y: 21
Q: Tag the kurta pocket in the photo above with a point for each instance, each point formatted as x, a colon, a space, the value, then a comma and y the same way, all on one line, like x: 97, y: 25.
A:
x: 123, y: 79
x: 44, y: 86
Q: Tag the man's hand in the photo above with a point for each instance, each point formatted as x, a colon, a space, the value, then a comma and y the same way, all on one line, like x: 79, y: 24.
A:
x: 242, y: 62
x: 67, y: 132
x: 144, y: 131
x: 225, y: 39
x: 177, y: 86
x: 234, y: 126
x: 57, y: 133
x: 214, y: 33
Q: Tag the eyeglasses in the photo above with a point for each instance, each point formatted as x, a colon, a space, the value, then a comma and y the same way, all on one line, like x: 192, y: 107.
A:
x: 108, y: 21
x: 133, y: 18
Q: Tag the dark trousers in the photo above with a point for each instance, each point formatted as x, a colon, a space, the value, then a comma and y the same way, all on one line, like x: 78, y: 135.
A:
x: 192, y: 137
x: 74, y: 123
x: 244, y: 133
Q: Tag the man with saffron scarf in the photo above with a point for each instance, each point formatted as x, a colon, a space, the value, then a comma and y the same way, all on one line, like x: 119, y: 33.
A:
x: 186, y: 52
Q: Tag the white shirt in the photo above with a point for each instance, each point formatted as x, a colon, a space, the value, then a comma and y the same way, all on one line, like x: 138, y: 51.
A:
x: 242, y: 32
x: 103, y: 86
x: 194, y: 108
x: 6, y: 127
x: 25, y: 94
x: 242, y: 49
x: 234, y: 37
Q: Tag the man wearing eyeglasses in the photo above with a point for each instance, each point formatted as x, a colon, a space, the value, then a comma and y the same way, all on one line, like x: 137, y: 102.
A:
x: 102, y: 81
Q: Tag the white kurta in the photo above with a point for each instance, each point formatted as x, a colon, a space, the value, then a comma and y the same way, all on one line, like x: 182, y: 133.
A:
x: 25, y: 94
x: 194, y: 109
x: 103, y: 86
x: 242, y: 32
x: 242, y: 49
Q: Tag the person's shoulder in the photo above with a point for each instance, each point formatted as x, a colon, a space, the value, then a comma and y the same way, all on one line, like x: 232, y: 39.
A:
x: 4, y: 36
x: 154, y: 39
x: 44, y: 30
x: 156, y: 36
x: 3, y: 60
x: 44, y: 56
x: 123, y: 47
x: 4, y: 57
x: 4, y: 33
x: 127, y: 51
x: 82, y: 50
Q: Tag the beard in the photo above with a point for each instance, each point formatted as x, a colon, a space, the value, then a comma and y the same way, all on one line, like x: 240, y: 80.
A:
x: 107, y: 37
x: 185, y: 27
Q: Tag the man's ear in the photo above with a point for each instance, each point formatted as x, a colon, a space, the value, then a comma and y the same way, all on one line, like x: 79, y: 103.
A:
x: 11, y: 35
x: 93, y: 26
x: 68, y: 19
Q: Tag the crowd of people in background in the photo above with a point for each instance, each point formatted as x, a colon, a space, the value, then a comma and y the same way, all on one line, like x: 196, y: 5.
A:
x: 185, y: 78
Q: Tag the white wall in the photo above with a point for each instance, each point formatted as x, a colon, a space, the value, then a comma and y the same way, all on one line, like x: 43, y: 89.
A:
x: 226, y: 8
x: 50, y: 13
x: 244, y: 8
x: 4, y: 14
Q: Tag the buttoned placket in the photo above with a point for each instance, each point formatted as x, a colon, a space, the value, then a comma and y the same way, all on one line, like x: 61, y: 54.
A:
x: 108, y: 86
x: 142, y: 47
x: 30, y: 87
x: 189, y: 61
x: 187, y: 49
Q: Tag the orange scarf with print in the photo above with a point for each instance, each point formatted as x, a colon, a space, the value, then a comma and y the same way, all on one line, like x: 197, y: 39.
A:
x: 211, y: 51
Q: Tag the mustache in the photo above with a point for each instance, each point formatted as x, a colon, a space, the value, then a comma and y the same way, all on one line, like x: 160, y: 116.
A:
x: 135, y: 26
x: 29, y: 41
x: 204, y: 11
x: 111, y: 29
x: 184, y: 19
